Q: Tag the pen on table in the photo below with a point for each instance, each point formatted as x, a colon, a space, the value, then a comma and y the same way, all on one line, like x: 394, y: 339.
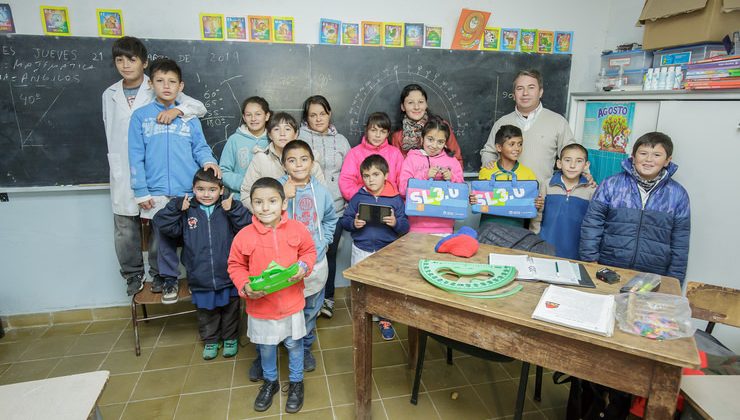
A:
x: 557, y: 269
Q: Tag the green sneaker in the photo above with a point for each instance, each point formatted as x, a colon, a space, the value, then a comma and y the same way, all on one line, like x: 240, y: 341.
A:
x: 231, y: 348
x: 211, y: 351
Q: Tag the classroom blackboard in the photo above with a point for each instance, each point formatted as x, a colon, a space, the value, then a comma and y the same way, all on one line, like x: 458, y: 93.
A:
x: 51, y: 127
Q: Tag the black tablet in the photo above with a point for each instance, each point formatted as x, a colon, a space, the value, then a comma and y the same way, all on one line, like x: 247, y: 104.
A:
x: 374, y: 213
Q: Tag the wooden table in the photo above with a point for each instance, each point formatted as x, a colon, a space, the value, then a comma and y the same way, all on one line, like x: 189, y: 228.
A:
x: 713, y: 396
x: 388, y: 284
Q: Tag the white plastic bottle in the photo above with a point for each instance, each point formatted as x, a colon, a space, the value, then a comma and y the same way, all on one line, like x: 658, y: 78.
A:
x: 670, y: 78
x: 662, y: 77
x: 678, y: 79
x: 648, y: 84
x: 620, y: 78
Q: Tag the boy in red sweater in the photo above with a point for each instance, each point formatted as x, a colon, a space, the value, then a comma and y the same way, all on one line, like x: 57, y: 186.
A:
x: 277, y: 317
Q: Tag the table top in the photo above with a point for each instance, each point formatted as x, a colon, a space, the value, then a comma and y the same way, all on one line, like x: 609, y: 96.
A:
x: 714, y: 395
x: 71, y: 397
x: 396, y: 268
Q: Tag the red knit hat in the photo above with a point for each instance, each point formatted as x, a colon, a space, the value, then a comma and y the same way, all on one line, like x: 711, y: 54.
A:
x: 464, y: 243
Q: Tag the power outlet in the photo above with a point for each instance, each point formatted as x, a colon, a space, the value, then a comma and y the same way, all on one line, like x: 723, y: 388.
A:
x: 4, y: 198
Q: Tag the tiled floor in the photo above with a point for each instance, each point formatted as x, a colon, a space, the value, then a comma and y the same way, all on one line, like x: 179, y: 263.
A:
x: 171, y: 380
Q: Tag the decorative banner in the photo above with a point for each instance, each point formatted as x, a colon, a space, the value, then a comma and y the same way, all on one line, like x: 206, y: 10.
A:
x: 329, y: 31
x: 563, y: 43
x: 260, y: 28
x: 371, y: 33
x: 491, y: 39
x: 414, y: 34
x: 350, y: 34
x: 393, y: 34
x: 545, y: 41
x: 607, y: 128
x: 110, y: 23
x: 236, y: 27
x: 527, y: 40
x: 7, y: 26
x: 448, y: 200
x: 469, y: 30
x: 55, y: 20
x: 283, y: 29
x: 505, y: 198
x: 432, y: 36
x: 509, y: 39
x: 211, y: 27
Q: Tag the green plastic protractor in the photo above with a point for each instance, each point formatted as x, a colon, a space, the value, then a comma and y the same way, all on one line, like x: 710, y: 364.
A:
x: 510, y: 292
x: 466, y: 277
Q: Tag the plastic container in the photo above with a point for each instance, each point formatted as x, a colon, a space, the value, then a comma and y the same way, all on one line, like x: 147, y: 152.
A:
x: 629, y: 60
x: 687, y: 54
x: 629, y: 77
x: 654, y: 315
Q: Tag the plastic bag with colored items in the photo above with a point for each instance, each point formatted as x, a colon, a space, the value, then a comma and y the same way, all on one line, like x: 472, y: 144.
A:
x: 654, y: 315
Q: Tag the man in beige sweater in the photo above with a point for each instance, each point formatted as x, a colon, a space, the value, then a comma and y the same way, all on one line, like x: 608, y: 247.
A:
x: 545, y: 132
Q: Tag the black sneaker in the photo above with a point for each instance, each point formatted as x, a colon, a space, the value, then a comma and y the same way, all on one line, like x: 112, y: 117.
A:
x: 157, y: 284
x: 264, y: 398
x: 255, y: 371
x: 134, y: 284
x: 309, y: 362
x: 295, y: 397
x: 170, y: 291
x: 327, y: 309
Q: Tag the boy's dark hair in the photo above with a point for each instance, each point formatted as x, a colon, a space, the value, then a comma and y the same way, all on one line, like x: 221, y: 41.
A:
x: 281, y: 117
x: 379, y: 119
x: 270, y: 183
x: 506, y: 132
x: 531, y: 73
x: 315, y: 100
x: 165, y: 65
x: 255, y: 100
x: 376, y: 161
x: 573, y: 146
x: 293, y: 145
x: 207, y: 175
x: 653, y: 139
x: 129, y: 47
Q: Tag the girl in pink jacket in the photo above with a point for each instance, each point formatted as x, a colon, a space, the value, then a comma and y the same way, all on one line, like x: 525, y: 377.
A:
x: 375, y: 142
x: 433, y: 161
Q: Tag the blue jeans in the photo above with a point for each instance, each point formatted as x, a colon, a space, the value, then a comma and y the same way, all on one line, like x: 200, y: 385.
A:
x: 268, y: 354
x: 310, y: 314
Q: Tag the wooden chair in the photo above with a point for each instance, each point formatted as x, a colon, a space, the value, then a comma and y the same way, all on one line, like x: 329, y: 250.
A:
x: 146, y: 297
x: 714, y: 304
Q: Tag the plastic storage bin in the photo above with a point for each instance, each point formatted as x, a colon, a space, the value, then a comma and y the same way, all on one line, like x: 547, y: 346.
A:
x: 629, y: 60
x: 634, y: 77
x: 687, y: 54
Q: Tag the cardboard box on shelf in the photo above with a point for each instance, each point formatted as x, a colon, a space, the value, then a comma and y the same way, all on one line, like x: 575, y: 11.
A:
x: 670, y: 23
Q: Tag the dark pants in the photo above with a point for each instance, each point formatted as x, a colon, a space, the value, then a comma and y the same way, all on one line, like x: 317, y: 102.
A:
x: 219, y: 323
x: 331, y: 259
x: 167, y: 258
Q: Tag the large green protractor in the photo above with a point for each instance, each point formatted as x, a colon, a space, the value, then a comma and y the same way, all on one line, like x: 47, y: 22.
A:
x: 469, y: 279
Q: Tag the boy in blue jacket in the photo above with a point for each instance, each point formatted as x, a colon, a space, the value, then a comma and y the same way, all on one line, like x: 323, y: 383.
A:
x: 640, y: 218
x: 368, y: 237
x: 207, y: 225
x: 163, y: 159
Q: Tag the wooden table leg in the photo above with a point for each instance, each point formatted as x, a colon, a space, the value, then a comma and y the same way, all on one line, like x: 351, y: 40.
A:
x: 413, y: 346
x: 664, y: 387
x: 363, y: 348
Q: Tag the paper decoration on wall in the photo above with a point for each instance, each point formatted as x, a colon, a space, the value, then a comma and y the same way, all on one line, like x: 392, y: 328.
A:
x: 563, y: 43
x: 7, y: 26
x: 432, y: 36
x: 393, y: 34
x: 211, y: 27
x: 491, y: 39
x: 110, y: 23
x: 527, y: 40
x: 55, y: 21
x: 469, y: 29
x: 545, y: 41
x: 329, y: 31
x: 509, y: 39
x: 283, y: 29
x: 260, y: 28
x: 350, y: 33
x: 236, y: 27
x: 371, y: 33
x: 414, y: 34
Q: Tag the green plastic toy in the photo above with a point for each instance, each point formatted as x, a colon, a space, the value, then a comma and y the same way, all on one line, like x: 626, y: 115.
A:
x: 469, y: 279
x: 274, y: 278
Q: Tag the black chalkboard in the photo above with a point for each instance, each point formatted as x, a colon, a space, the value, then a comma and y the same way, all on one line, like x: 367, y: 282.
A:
x: 51, y: 127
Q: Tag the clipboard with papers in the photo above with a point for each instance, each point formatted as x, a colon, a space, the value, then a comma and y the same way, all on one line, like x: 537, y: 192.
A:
x: 547, y: 270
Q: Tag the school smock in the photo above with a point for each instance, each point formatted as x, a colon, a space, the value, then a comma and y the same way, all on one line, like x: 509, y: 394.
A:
x: 452, y: 144
x: 373, y: 236
x: 266, y: 163
x: 329, y: 151
x: 559, y: 222
x: 237, y: 155
x: 622, y: 231
x: 116, y: 120
x: 253, y: 249
x: 416, y: 165
x: 522, y: 173
x: 350, y: 178
x: 164, y: 158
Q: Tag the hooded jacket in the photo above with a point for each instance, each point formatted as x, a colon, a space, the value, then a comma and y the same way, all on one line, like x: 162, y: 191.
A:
x: 619, y: 230
x: 416, y: 165
x: 350, y: 178
x: 237, y: 155
x: 329, y: 150
x: 372, y: 236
